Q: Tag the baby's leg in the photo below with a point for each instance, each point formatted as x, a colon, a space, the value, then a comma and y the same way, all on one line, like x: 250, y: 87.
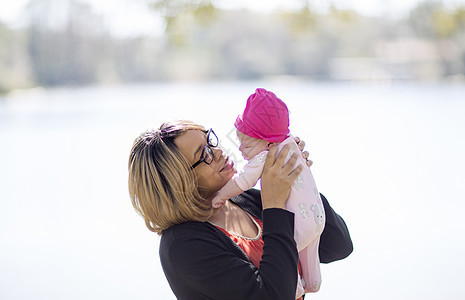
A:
x: 310, y: 263
x: 304, y: 201
x: 299, y: 292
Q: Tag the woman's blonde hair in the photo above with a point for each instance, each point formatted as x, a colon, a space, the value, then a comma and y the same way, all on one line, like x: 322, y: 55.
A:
x: 162, y: 185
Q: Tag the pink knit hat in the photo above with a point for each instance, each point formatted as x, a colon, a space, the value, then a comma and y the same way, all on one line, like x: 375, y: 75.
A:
x: 265, y: 117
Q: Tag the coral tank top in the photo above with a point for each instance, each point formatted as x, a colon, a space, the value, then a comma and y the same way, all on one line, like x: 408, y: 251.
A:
x: 252, y: 247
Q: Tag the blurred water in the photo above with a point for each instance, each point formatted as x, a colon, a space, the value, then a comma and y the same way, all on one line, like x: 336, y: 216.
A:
x: 390, y: 159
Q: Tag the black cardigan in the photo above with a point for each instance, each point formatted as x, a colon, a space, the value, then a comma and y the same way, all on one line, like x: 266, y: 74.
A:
x: 201, y: 262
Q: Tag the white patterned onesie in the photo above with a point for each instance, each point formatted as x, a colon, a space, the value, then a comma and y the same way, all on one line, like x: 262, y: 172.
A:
x: 304, y: 201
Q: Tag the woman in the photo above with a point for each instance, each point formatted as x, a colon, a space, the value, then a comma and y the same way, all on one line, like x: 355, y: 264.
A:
x: 243, y: 250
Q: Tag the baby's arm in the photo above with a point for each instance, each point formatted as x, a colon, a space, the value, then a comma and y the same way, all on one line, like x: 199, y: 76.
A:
x: 229, y: 190
x: 246, y: 179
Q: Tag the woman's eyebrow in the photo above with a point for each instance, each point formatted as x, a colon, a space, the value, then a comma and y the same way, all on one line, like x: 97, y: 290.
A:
x: 197, y: 151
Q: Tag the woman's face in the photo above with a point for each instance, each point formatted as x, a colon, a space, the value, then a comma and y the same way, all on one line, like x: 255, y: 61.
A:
x: 211, y: 178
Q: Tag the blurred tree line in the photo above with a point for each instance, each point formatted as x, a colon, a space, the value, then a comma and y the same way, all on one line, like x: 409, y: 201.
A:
x: 66, y: 43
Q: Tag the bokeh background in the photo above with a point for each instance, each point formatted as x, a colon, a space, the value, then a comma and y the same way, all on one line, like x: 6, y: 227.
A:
x: 375, y: 88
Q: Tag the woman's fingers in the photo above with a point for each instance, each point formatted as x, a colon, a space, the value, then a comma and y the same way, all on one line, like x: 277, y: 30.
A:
x: 270, y: 157
x: 278, y: 163
x: 301, y: 145
x: 277, y: 178
x: 309, y: 162
x: 295, y: 173
x: 289, y: 166
x: 282, y: 155
x: 305, y: 154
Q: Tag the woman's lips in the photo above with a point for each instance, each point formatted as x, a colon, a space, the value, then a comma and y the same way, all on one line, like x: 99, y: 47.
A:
x: 228, y: 165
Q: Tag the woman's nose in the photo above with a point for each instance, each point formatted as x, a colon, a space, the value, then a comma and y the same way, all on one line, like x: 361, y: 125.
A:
x: 217, y: 152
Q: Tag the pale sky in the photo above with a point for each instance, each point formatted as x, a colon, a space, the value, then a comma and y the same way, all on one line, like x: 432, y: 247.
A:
x: 125, y: 17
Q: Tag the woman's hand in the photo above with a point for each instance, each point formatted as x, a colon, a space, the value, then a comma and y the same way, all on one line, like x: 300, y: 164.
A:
x: 305, y: 154
x: 277, y: 177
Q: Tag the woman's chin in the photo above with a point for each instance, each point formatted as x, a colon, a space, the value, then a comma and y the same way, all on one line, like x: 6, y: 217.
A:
x: 230, y: 174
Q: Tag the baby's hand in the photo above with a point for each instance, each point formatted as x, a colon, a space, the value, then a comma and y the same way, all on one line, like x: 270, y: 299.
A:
x: 217, y: 202
x: 305, y: 154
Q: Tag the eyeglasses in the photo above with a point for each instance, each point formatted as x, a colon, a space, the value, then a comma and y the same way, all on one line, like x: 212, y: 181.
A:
x: 207, y: 155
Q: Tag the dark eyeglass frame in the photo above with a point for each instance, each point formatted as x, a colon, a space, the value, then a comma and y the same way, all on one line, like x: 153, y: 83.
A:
x: 212, y: 142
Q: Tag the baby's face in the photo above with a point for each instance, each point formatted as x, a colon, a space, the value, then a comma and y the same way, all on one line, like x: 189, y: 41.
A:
x: 251, y: 146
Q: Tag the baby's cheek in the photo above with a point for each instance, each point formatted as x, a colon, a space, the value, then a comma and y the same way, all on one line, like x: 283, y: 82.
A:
x: 243, y: 151
x: 255, y: 151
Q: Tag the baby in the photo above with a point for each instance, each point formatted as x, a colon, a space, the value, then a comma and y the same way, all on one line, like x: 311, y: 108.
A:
x: 265, y: 121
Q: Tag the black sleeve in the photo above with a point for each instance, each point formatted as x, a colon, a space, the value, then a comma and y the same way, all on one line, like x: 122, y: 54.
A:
x: 199, y: 266
x: 335, y: 241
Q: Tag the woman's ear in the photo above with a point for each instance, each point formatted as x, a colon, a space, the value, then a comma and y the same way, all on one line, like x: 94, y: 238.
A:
x: 269, y: 146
